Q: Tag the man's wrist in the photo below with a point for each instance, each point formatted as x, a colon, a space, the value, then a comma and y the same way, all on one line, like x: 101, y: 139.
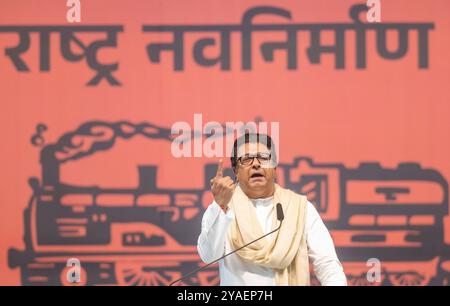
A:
x: 224, y: 207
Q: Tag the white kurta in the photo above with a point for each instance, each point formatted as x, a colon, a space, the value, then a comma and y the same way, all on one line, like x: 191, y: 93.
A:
x: 213, y: 243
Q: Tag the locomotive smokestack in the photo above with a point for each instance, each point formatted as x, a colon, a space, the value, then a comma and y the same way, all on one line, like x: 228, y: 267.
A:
x: 147, y: 178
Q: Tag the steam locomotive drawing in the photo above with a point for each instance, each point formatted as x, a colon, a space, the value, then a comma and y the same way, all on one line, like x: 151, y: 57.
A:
x: 147, y: 235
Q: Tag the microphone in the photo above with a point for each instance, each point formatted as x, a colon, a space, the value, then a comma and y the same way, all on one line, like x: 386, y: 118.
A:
x: 280, y: 217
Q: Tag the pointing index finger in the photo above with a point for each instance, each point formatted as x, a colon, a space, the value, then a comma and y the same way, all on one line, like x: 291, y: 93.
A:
x: 220, y: 169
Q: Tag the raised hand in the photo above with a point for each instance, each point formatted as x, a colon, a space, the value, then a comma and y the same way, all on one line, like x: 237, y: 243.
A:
x: 222, y: 187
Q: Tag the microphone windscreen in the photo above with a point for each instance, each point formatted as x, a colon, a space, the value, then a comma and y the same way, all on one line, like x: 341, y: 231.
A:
x: 280, y: 214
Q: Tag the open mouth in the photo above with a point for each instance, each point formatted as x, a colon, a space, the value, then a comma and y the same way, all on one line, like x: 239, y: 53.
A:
x: 256, y: 175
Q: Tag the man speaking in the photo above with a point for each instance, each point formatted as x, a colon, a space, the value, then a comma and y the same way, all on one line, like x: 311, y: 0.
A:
x: 244, y: 211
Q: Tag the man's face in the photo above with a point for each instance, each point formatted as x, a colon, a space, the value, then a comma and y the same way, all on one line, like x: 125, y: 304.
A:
x: 257, y: 178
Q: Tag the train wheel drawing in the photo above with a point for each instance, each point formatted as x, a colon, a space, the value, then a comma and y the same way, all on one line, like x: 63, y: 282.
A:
x: 362, y: 280
x: 144, y: 274
x: 408, y: 279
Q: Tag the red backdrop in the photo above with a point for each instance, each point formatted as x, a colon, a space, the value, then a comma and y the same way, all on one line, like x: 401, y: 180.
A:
x: 131, y: 211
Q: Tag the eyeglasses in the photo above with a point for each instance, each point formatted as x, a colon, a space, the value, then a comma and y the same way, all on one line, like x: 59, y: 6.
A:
x: 247, y: 159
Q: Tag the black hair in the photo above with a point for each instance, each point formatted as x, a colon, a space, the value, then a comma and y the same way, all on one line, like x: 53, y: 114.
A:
x: 252, y: 138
